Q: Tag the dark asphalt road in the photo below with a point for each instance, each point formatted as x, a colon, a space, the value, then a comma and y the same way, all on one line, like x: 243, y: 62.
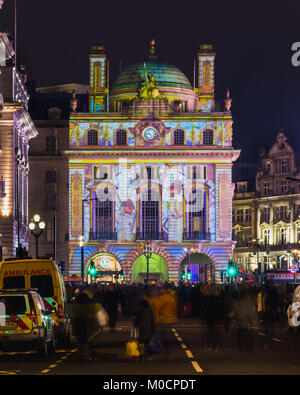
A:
x: 186, y: 352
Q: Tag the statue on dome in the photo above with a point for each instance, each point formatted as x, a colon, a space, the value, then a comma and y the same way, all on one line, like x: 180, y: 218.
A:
x: 149, y: 89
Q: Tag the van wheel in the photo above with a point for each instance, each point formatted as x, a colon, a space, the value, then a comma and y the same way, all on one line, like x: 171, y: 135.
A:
x: 42, y: 347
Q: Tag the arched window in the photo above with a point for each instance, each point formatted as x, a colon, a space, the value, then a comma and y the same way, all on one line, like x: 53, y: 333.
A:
x: 92, y: 137
x: 178, y: 137
x: 207, y: 137
x: 121, y: 137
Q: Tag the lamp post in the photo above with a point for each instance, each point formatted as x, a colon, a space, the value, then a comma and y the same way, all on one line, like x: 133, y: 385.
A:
x: 81, y: 237
x: 295, y: 265
x: 257, y: 249
x: 147, y: 253
x: 36, y: 228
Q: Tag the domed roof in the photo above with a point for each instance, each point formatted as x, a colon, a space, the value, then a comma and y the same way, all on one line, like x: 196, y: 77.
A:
x: 165, y: 75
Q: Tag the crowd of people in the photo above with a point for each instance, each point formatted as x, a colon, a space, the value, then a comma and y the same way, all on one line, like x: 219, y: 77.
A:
x: 237, y: 307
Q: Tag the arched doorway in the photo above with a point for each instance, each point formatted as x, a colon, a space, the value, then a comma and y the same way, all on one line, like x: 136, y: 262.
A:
x: 104, y: 263
x: 200, y: 265
x: 158, y: 269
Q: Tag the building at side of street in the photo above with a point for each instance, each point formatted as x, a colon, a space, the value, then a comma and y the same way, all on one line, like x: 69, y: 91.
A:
x: 266, y: 213
x: 16, y: 131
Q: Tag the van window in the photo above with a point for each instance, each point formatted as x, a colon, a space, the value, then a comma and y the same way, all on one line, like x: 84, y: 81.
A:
x: 11, y: 282
x: 43, y: 284
x: 13, y: 304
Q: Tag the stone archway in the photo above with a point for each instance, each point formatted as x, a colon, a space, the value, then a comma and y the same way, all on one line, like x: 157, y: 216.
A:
x: 200, y: 265
x: 158, y: 269
x: 103, y: 262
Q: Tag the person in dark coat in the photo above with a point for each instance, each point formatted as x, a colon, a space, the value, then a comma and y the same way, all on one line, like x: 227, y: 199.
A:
x: 144, y: 321
x: 85, y: 311
x: 111, y: 300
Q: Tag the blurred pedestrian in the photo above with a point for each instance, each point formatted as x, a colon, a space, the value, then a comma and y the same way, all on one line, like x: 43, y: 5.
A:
x: 210, y: 312
x: 85, y: 323
x: 144, y: 322
x: 261, y: 306
x: 111, y: 301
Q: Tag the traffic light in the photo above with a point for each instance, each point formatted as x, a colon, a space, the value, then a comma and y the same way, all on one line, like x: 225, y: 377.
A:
x: 92, y: 269
x: 231, y: 270
x: 182, y: 275
x: 122, y: 275
x: 189, y: 274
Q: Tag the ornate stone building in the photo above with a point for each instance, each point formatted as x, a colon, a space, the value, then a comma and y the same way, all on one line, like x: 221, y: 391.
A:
x: 151, y: 162
x: 266, y: 222
x: 16, y: 129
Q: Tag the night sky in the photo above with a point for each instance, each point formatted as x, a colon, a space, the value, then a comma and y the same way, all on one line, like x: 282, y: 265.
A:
x: 253, y: 46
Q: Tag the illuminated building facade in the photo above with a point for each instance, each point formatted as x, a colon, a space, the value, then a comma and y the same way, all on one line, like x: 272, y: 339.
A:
x: 16, y: 129
x: 266, y: 219
x: 151, y: 162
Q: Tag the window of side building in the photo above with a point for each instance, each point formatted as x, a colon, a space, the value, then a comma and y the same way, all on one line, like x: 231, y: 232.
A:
x: 248, y: 215
x: 51, y: 201
x: 266, y: 189
x: 283, y: 187
x: 51, y: 144
x: 266, y: 235
x: 50, y: 176
x: 240, y: 216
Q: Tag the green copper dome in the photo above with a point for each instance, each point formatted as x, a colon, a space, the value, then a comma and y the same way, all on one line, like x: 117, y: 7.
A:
x: 165, y: 75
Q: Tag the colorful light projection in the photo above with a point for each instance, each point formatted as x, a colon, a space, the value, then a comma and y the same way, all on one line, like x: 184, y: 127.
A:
x: 193, y: 131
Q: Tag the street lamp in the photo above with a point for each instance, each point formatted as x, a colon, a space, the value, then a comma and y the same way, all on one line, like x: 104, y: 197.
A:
x: 295, y: 264
x: 257, y: 248
x: 36, y: 228
x: 147, y: 253
x: 81, y: 238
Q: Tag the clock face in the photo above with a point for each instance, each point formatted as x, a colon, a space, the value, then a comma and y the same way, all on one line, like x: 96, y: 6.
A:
x: 149, y: 133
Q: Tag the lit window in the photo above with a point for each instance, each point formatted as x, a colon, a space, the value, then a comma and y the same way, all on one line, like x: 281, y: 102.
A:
x: 239, y: 216
x: 283, y: 187
x: 267, y: 236
x: 247, y: 215
x: 284, y: 166
x: 266, y: 189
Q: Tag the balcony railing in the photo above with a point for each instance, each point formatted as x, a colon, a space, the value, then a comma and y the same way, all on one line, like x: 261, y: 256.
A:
x: 150, y: 236
x: 102, y: 236
x: 196, y: 236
